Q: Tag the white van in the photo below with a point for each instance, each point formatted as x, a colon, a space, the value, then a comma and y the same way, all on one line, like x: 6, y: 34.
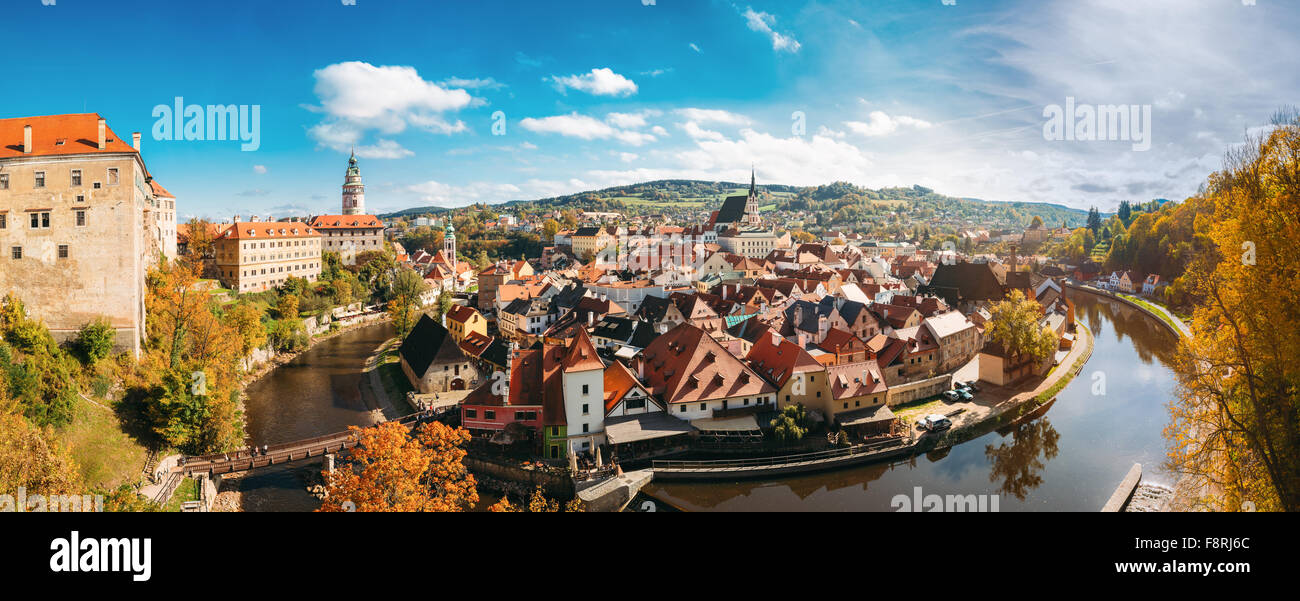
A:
x: 934, y: 423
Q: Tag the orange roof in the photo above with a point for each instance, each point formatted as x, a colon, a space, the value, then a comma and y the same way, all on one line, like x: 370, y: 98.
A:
x: 618, y: 382
x: 839, y: 341
x: 160, y: 191
x: 339, y: 222
x: 776, y: 359
x: 855, y: 379
x: 214, y: 231
x: 687, y: 365
x: 54, y: 135
x: 247, y: 230
x: 581, y: 355
x: 460, y: 313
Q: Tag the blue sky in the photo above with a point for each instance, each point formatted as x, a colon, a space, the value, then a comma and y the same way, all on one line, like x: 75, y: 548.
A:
x: 607, y: 92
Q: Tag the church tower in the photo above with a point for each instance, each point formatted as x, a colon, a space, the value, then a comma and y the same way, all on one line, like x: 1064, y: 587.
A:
x: 354, y: 192
x: 449, y: 244
x: 751, y: 205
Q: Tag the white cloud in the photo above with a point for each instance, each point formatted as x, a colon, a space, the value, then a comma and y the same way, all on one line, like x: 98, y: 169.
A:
x: 627, y: 157
x: 696, y: 132
x: 584, y: 127
x: 259, y: 169
x: 599, y: 82
x: 473, y: 83
x: 881, y: 124
x: 383, y: 149
x: 631, y: 120
x: 762, y: 22
x: 357, y: 97
x: 712, y: 116
x: 695, y: 47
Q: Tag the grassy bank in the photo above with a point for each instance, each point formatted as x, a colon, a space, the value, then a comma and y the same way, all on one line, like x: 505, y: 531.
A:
x: 106, y: 455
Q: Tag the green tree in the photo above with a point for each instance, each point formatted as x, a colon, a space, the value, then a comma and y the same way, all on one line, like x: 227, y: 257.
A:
x: 791, y: 424
x: 95, y: 340
x: 1013, y: 324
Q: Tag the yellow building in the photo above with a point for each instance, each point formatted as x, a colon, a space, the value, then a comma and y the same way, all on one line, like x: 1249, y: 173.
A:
x: 257, y: 256
x: 463, y: 320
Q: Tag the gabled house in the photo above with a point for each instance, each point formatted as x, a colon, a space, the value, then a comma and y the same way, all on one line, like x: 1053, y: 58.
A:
x: 433, y: 361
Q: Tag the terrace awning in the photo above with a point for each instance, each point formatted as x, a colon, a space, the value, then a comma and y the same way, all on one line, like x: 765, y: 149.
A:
x: 870, y: 415
x: 742, y: 423
x: 646, y: 426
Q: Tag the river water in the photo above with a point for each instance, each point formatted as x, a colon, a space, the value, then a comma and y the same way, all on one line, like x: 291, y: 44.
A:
x: 321, y: 391
x: 1070, y: 459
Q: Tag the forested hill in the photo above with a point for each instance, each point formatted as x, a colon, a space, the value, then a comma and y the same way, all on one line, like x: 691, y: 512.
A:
x: 840, y: 202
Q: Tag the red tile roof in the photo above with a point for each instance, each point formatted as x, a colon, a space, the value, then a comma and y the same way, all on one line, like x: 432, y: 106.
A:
x: 776, y: 359
x: 460, y: 313
x: 160, y: 191
x: 338, y: 222
x: 262, y: 230
x: 54, y: 135
x: 581, y: 355
x: 687, y: 365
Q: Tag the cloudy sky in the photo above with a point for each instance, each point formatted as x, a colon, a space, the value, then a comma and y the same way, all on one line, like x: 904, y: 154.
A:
x: 449, y: 103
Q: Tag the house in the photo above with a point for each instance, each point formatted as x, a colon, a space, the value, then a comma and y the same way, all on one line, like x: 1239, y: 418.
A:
x: 463, y: 321
x: 843, y: 347
x: 798, y: 377
x: 859, y: 398
x: 699, y: 380
x: 492, y: 407
x: 958, y: 339
x: 434, y: 362
x: 1152, y: 284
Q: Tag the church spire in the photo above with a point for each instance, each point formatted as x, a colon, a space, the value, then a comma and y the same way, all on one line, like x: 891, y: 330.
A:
x: 753, y: 179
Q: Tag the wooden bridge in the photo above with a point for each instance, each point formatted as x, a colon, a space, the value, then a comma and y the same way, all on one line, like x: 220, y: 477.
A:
x: 251, y: 459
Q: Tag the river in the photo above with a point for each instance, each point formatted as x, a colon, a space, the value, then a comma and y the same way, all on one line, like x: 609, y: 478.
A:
x: 1070, y: 459
x: 321, y: 391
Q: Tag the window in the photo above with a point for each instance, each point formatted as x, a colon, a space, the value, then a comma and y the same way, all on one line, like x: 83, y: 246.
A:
x: 704, y: 406
x: 555, y: 430
x: 584, y: 391
x: 63, y: 251
x: 584, y: 428
x: 16, y: 252
x: 40, y: 179
x: 4, y: 181
x: 112, y: 176
x: 96, y: 185
x: 40, y: 220
x: 471, y: 413
x: 81, y: 218
x: 683, y: 408
x: 81, y: 198
x: 76, y: 177
x: 585, y: 409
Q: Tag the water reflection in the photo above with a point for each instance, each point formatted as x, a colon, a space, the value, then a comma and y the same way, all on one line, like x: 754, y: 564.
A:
x: 1016, y: 463
x: 1070, y: 462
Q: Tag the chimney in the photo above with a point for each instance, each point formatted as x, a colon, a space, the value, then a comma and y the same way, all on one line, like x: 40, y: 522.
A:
x: 1013, y: 258
x: 236, y: 218
x: 254, y: 218
x: 27, y: 139
x: 135, y: 140
x: 103, y: 135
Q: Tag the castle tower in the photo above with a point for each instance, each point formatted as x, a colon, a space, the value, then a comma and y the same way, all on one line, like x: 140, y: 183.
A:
x: 449, y: 244
x: 354, y: 192
x: 751, y: 205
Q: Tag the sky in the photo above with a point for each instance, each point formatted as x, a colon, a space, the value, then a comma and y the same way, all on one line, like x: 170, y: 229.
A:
x: 449, y: 103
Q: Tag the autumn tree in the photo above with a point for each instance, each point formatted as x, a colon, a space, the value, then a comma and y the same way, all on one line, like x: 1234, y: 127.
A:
x: 1236, y: 416
x: 30, y: 456
x: 200, y: 244
x: 393, y: 469
x: 1013, y: 324
x: 287, y: 306
x: 246, y: 319
x: 403, y: 312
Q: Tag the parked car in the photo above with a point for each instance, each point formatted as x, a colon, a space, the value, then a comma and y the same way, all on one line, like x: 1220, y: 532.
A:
x: 951, y: 396
x: 934, y: 423
x: 965, y: 395
x: 971, y: 386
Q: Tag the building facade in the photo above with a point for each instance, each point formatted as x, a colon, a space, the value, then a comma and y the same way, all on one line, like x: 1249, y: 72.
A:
x: 79, y: 224
x: 349, y: 234
x: 354, y: 192
x: 260, y: 255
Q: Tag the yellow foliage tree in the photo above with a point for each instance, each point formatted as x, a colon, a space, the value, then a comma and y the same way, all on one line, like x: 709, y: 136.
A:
x: 393, y: 469
x: 1235, y: 426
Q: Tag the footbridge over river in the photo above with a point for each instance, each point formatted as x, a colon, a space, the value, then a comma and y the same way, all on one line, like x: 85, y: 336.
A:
x: 251, y: 459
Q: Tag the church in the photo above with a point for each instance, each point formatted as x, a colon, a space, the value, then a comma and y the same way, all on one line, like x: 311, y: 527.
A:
x: 740, y: 229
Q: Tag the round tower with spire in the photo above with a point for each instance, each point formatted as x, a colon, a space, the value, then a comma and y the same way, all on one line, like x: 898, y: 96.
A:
x: 449, y: 244
x: 354, y: 192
